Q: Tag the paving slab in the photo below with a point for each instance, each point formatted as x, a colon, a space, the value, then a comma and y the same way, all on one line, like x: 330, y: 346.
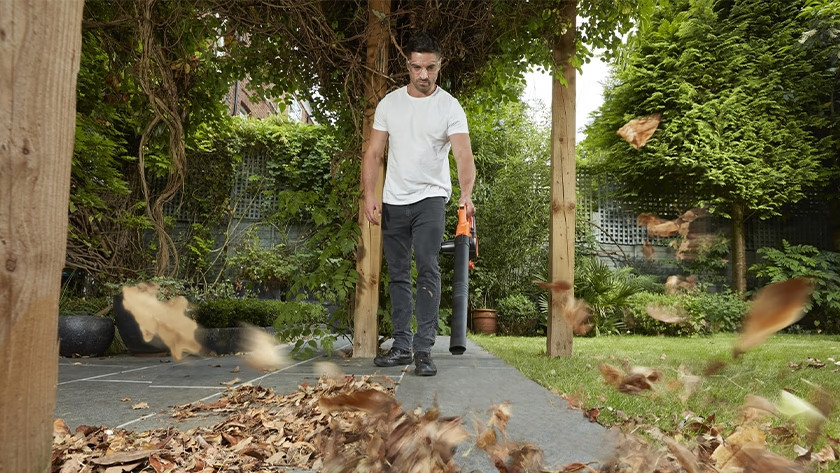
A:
x: 96, y: 391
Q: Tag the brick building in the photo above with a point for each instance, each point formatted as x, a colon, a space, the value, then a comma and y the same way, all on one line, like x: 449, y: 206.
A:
x: 241, y: 101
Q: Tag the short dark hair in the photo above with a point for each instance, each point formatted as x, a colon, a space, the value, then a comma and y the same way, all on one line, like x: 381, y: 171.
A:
x: 422, y: 42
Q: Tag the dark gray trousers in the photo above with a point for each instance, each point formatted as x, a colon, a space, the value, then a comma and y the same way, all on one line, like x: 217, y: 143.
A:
x: 418, y: 226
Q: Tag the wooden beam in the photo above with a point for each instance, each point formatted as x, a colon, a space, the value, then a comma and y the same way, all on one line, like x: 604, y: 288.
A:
x: 40, y: 44
x: 561, y: 248
x: 369, y: 253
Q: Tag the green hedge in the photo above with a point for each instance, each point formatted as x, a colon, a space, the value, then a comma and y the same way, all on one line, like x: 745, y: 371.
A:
x: 518, y: 315
x: 707, y: 313
x: 221, y: 313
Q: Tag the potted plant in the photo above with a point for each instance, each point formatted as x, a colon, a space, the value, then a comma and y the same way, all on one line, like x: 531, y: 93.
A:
x: 84, y: 328
x: 127, y: 326
x: 483, y: 317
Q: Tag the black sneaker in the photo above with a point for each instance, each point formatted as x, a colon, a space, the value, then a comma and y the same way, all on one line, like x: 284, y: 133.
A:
x: 425, y: 366
x: 394, y: 357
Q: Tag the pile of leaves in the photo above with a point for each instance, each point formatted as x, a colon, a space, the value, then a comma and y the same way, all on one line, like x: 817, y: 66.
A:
x: 262, y: 430
x: 341, y: 424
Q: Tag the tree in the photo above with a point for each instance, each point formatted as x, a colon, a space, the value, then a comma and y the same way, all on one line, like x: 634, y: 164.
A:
x: 740, y: 122
x: 36, y: 142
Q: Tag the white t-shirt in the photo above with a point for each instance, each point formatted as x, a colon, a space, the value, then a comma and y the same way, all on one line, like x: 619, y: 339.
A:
x: 418, y: 144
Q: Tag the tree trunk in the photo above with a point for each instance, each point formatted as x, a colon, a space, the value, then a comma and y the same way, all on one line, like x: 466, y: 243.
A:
x: 739, y: 249
x: 562, y: 232
x: 40, y: 44
x: 369, y: 254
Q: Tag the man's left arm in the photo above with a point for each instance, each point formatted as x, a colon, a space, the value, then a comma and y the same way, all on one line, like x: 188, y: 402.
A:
x: 462, y: 150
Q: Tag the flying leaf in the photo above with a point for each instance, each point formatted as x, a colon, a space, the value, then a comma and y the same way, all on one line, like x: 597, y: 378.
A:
x: 667, y: 314
x: 639, y: 130
x: 795, y: 407
x: 371, y: 401
x: 775, y: 307
x: 165, y: 319
x: 648, y: 251
x: 555, y: 287
x: 262, y: 352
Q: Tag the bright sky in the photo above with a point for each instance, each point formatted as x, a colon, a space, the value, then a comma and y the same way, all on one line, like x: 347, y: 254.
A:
x: 589, y: 86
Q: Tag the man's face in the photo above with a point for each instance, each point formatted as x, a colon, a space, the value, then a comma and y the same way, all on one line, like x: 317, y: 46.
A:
x: 423, y: 69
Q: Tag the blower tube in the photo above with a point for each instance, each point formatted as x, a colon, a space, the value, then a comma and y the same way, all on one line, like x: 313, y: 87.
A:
x: 460, y: 284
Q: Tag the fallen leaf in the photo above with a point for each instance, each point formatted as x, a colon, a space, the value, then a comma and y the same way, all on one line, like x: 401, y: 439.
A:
x: 140, y: 405
x: 775, y: 307
x: 687, y: 459
x: 231, y: 382
x: 639, y: 130
x: 123, y: 457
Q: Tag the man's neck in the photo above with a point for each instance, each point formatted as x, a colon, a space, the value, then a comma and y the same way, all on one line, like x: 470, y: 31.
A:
x: 412, y: 91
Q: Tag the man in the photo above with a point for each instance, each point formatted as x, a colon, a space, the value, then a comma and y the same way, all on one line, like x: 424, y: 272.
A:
x: 419, y: 122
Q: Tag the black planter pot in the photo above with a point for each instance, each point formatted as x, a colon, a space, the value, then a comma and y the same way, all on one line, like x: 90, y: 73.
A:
x: 130, y: 332
x: 224, y: 341
x: 84, y: 335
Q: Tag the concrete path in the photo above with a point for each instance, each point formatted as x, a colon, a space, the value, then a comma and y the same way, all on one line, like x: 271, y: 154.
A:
x: 90, y: 391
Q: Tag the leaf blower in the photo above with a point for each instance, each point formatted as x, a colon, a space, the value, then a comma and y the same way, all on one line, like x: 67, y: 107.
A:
x: 464, y: 247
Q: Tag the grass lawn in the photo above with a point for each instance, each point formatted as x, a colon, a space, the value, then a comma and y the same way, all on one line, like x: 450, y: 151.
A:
x: 783, y: 362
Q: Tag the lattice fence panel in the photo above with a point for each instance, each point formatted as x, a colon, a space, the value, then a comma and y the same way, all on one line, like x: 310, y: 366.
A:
x: 247, y: 193
x: 804, y: 223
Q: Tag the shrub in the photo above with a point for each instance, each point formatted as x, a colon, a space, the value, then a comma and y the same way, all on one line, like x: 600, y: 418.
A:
x: 707, y: 313
x: 81, y: 305
x: 822, y: 267
x: 607, y: 290
x: 220, y: 313
x: 518, y: 315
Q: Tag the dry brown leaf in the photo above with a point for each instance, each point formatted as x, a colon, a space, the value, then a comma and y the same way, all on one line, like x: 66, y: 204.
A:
x: 775, y: 307
x: 639, y: 130
x: 827, y: 454
x: 122, y: 468
x: 370, y: 400
x: 230, y: 382
x: 690, y: 383
x: 140, y: 405
x: 577, y: 313
x: 759, y: 460
x: 165, y: 319
x: 556, y: 286
x: 123, y: 457
x: 262, y: 352
x: 60, y: 427
x: 687, y: 459
x: 676, y: 284
x: 612, y: 374
x: 756, y: 407
x: 328, y: 369
x: 669, y: 315
x: 648, y: 251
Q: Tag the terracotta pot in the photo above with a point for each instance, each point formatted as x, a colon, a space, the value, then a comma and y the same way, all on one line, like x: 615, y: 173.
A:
x: 484, y: 321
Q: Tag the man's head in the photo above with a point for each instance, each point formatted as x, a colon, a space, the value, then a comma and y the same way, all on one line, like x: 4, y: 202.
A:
x: 423, y: 51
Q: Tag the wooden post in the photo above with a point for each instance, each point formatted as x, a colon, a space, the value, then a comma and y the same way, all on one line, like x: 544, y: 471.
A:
x: 369, y: 255
x: 561, y: 248
x: 40, y: 44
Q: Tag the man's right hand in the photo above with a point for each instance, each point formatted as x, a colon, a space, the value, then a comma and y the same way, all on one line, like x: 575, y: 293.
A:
x: 373, y: 210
